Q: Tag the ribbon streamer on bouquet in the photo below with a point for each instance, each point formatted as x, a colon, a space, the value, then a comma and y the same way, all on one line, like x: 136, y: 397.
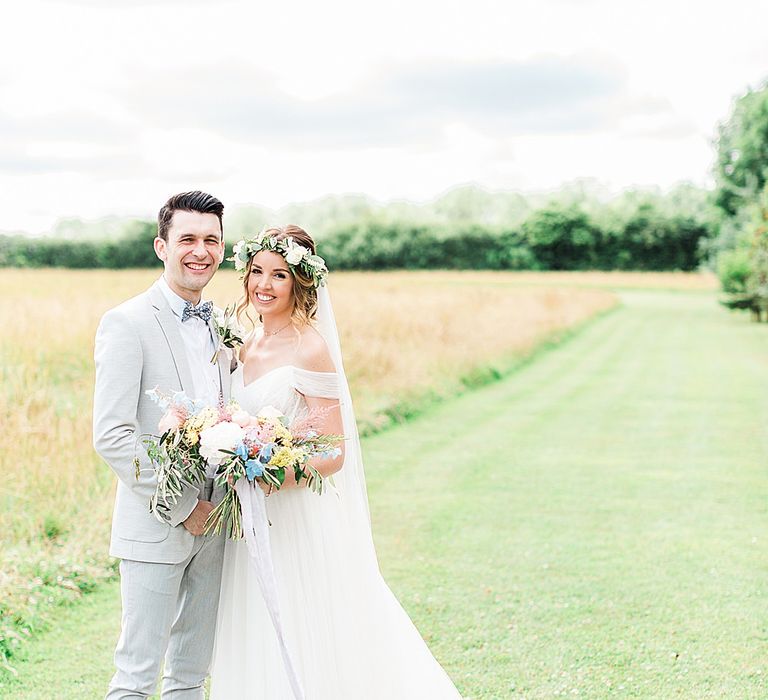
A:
x: 256, y: 530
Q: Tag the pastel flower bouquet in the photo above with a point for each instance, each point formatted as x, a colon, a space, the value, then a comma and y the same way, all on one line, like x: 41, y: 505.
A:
x: 195, y: 437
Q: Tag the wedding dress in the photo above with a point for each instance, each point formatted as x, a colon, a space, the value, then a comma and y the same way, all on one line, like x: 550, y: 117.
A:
x: 348, y: 636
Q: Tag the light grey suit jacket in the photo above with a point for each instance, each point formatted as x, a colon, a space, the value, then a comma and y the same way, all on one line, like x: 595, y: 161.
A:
x: 139, y: 347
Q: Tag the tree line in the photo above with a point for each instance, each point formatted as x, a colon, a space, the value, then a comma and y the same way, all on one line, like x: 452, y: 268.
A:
x: 649, y: 234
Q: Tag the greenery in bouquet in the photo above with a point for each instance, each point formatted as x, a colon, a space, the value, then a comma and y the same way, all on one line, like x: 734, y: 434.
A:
x: 177, y: 455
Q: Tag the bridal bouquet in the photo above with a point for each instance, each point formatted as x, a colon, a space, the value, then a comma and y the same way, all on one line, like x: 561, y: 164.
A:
x: 264, y: 447
x: 194, y: 436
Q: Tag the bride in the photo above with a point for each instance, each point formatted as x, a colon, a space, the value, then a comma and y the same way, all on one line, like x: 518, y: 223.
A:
x: 347, y: 635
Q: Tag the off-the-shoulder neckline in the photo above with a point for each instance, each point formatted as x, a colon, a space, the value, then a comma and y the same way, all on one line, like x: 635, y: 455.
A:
x: 240, y: 366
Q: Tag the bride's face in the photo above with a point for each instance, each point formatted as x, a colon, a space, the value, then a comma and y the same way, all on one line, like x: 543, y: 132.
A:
x: 270, y: 284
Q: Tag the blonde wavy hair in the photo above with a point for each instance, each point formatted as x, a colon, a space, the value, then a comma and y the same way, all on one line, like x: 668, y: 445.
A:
x: 304, y: 290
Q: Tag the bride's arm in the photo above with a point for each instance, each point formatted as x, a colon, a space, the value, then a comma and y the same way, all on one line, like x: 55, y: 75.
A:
x: 329, y: 424
x: 313, y: 356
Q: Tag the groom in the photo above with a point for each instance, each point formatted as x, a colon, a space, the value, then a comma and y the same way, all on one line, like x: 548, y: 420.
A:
x: 170, y: 572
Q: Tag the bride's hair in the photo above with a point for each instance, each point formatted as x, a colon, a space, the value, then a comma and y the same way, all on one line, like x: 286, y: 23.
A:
x: 304, y: 289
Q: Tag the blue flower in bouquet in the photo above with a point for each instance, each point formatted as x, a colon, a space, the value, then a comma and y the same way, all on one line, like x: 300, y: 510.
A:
x: 265, y: 454
x: 253, y: 468
x: 242, y: 451
x: 158, y: 398
x: 191, y: 406
x: 180, y: 399
x: 331, y: 454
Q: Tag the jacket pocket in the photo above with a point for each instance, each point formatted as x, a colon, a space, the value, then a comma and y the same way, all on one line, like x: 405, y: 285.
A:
x: 134, y: 522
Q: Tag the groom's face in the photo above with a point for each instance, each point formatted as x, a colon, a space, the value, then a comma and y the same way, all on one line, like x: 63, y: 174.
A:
x: 192, y: 253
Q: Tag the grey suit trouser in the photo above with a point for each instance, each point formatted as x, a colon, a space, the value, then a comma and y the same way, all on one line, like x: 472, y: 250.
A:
x: 169, y: 610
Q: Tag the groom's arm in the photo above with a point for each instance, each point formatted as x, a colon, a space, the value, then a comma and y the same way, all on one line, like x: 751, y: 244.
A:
x: 119, y: 365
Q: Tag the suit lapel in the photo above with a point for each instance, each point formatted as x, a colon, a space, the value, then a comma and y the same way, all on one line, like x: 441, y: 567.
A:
x: 169, y: 324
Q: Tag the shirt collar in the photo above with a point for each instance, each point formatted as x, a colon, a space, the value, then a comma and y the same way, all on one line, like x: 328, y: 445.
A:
x: 176, y: 303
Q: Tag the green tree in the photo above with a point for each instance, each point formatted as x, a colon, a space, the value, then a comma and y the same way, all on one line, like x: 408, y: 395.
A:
x: 741, y: 169
x: 734, y: 268
x: 562, y: 239
x: 744, y: 269
x: 757, y: 281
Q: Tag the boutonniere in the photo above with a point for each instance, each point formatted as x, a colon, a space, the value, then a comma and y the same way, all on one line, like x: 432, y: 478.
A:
x: 230, y: 333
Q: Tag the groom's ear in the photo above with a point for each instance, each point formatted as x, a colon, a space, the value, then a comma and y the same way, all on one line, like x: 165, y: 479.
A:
x: 160, y: 248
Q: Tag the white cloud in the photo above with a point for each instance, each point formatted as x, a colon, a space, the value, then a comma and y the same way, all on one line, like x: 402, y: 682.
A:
x: 109, y: 106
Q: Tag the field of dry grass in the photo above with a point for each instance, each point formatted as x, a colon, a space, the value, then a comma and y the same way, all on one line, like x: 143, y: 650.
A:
x: 667, y: 281
x: 408, y: 338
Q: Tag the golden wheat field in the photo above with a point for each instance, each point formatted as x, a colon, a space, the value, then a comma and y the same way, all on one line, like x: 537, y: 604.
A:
x: 408, y: 338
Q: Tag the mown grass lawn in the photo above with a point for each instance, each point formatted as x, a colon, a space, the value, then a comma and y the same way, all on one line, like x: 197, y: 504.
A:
x: 596, y: 526
x: 593, y: 526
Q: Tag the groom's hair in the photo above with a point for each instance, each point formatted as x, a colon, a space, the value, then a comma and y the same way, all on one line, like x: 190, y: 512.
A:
x: 188, y: 201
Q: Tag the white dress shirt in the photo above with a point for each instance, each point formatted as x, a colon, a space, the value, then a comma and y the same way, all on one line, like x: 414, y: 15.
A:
x: 199, y: 344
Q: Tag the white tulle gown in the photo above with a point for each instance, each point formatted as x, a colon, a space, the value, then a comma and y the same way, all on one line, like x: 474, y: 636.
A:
x: 349, y: 637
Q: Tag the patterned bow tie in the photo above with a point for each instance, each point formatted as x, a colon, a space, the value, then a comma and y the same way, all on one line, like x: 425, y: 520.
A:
x: 203, y: 311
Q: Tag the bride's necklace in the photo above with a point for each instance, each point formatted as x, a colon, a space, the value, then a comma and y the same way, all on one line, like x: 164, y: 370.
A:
x: 278, y: 330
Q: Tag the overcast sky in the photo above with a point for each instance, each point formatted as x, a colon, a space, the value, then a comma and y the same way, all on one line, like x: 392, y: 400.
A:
x: 109, y: 106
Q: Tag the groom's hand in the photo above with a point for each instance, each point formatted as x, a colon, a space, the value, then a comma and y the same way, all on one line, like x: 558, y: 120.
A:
x: 195, y: 523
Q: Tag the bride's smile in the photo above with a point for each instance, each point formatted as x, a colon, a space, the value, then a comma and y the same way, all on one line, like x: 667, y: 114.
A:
x: 270, y: 288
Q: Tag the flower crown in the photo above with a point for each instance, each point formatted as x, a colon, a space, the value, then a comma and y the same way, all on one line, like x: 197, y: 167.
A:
x: 297, y: 256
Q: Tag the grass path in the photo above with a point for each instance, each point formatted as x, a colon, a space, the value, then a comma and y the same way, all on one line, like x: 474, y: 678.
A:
x: 594, y: 526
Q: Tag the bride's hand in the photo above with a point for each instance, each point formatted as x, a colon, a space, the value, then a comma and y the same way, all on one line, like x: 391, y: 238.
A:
x: 265, y: 487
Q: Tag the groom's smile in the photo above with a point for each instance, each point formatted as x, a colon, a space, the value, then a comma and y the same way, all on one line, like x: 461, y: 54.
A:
x: 192, y: 253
